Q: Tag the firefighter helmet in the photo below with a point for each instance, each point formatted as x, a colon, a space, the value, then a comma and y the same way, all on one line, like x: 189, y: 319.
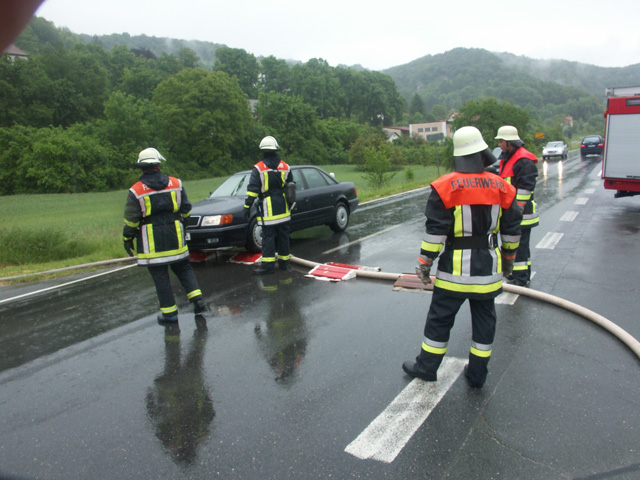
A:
x: 269, y: 143
x: 468, y: 140
x: 508, y: 133
x: 148, y: 157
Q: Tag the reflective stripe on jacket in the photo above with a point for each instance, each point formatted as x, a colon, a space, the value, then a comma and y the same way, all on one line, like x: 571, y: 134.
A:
x: 470, y: 208
x: 522, y: 175
x: 154, y: 217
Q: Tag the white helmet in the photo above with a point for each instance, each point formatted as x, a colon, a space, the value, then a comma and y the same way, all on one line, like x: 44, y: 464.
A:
x: 149, y: 156
x: 507, y: 133
x: 468, y: 140
x: 269, y: 143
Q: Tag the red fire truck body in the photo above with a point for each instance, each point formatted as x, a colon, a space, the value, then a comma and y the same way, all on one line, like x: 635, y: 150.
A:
x: 621, y: 155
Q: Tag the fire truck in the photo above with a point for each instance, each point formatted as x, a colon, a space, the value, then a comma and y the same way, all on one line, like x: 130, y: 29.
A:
x: 621, y: 155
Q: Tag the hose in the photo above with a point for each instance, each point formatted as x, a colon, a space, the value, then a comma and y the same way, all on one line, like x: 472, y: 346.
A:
x: 615, y: 330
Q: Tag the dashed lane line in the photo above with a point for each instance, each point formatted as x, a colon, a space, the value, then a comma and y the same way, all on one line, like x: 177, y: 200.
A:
x: 569, y: 216
x: 550, y: 240
x: 387, y: 435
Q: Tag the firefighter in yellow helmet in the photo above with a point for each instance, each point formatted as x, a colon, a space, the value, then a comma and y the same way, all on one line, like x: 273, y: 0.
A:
x: 518, y: 167
x: 267, y: 185
x: 154, y: 213
x: 466, y: 212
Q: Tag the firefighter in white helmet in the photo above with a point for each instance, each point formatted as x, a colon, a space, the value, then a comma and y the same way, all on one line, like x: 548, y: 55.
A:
x: 154, y: 214
x: 518, y: 167
x: 466, y: 212
x: 267, y: 185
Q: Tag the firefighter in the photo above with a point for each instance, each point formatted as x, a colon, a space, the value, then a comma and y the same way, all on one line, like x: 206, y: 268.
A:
x: 466, y: 211
x: 267, y: 185
x: 154, y: 214
x: 518, y: 167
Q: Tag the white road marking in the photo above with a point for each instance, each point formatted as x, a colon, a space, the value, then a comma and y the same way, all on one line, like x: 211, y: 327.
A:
x: 589, y: 190
x: 550, y: 240
x: 581, y: 201
x: 508, y: 298
x: 65, y: 284
x: 595, y: 183
x: 569, y: 216
x: 387, y: 435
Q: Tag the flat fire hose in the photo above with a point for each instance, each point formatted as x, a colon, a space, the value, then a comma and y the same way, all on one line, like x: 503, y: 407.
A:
x: 622, y: 335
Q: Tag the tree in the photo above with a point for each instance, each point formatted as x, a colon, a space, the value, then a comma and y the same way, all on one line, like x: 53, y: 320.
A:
x: 293, y: 123
x: 129, y: 124
x: 316, y: 83
x: 72, y: 160
x: 377, y: 165
x: 417, y: 104
x: 488, y: 115
x: 236, y: 62
x: 203, y: 117
x: 275, y: 76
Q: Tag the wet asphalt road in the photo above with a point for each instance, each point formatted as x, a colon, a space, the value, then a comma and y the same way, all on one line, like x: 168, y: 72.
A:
x: 284, y: 372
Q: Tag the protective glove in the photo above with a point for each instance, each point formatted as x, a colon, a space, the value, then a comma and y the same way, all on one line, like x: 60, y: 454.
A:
x: 423, y: 269
x: 247, y: 214
x: 128, y: 247
x: 507, y: 265
x: 521, y: 206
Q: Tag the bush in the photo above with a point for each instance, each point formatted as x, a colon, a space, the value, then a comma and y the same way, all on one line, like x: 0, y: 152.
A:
x: 22, y: 246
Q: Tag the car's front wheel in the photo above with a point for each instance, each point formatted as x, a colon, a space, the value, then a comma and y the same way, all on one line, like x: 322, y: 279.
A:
x: 340, y: 218
x: 254, y: 236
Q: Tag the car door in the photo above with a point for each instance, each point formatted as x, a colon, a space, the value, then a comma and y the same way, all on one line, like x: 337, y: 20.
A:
x: 316, y: 200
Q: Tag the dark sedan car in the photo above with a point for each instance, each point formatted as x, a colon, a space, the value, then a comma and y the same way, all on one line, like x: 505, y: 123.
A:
x: 219, y: 220
x: 591, y: 145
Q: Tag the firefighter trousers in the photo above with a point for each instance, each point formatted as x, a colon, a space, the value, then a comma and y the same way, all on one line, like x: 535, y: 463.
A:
x: 276, y: 238
x: 187, y: 278
x: 440, y: 320
x: 522, y: 262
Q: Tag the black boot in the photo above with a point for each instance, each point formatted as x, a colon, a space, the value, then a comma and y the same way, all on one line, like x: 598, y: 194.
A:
x: 425, y: 367
x: 165, y: 318
x: 413, y: 369
x: 265, y: 269
x: 476, y: 371
x: 283, y: 265
x: 199, y: 306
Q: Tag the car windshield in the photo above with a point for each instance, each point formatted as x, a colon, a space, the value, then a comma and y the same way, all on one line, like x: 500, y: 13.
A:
x: 591, y: 140
x: 234, y: 186
x: 554, y: 144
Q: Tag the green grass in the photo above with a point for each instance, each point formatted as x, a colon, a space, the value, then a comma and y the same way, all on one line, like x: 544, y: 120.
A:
x: 51, y: 231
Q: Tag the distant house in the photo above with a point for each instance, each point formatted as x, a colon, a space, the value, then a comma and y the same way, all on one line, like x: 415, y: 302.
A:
x: 14, y: 52
x: 430, y: 130
x: 393, y: 133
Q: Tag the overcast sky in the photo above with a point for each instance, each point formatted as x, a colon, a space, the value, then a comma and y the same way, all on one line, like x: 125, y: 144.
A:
x: 375, y: 34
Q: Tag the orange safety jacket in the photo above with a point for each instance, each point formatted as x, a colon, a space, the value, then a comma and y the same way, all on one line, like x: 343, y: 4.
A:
x: 524, y: 187
x: 465, y: 213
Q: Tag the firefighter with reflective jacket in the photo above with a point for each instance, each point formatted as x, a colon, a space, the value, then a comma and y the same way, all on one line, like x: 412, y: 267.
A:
x: 466, y: 212
x: 267, y: 185
x: 154, y: 213
x: 518, y: 167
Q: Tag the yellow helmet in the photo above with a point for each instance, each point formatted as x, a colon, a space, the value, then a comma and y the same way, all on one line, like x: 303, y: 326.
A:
x: 149, y: 156
x: 468, y: 140
x: 269, y: 143
x: 508, y: 133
